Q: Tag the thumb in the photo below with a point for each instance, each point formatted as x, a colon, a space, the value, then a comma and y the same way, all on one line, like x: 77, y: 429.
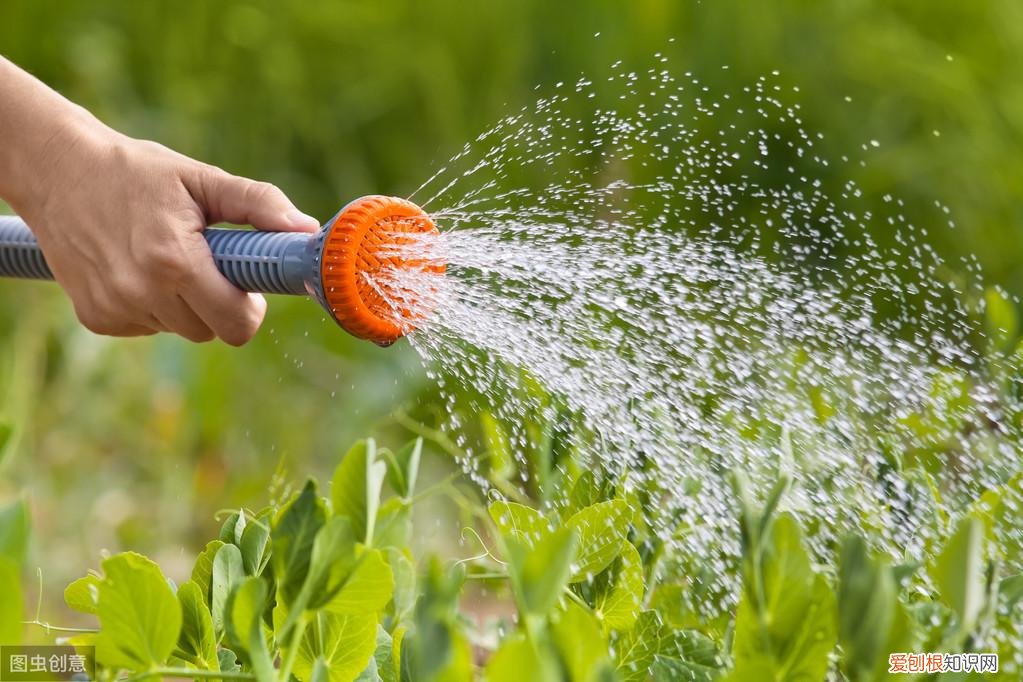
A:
x: 233, y: 199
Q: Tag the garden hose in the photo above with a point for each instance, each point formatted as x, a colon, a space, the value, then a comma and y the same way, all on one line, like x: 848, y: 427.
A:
x: 334, y: 266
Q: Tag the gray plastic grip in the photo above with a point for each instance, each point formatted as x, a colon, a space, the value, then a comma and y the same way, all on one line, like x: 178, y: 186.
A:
x: 265, y: 262
x: 19, y: 253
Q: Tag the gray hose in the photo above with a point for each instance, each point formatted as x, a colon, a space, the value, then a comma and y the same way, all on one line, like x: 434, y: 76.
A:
x: 266, y: 262
x: 19, y: 254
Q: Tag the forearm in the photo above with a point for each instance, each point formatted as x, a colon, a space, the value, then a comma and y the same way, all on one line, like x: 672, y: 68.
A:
x: 37, y: 127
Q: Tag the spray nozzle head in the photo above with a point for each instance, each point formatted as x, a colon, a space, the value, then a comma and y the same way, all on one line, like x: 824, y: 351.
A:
x: 361, y: 247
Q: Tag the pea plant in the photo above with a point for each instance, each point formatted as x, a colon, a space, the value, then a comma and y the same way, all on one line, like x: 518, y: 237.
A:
x: 324, y: 587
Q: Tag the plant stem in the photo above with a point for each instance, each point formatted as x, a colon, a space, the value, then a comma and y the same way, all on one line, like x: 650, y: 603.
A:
x: 578, y: 600
x: 58, y: 628
x: 434, y: 435
x: 486, y: 576
x: 296, y: 641
x: 443, y: 485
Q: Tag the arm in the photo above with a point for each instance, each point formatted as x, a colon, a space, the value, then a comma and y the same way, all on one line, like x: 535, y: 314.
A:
x: 120, y: 220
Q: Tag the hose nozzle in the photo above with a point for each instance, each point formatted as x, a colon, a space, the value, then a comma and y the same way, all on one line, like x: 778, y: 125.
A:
x: 358, y: 248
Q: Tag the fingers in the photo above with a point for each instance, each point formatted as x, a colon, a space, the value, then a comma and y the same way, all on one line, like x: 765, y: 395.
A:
x: 232, y: 314
x: 175, y: 315
x: 98, y: 320
x: 204, y: 303
x: 233, y: 199
x: 179, y: 290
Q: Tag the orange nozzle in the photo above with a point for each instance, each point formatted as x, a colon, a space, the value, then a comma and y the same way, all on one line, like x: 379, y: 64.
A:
x: 356, y: 250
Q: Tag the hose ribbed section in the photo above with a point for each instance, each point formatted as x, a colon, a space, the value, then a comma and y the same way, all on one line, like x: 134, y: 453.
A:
x: 20, y: 255
x: 265, y: 262
x: 259, y: 261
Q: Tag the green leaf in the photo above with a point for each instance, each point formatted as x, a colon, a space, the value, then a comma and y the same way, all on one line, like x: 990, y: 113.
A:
x: 1011, y: 589
x: 12, y: 605
x: 436, y: 650
x: 244, y: 625
x: 581, y: 644
x: 382, y: 666
x: 403, y: 468
x: 320, y: 673
x: 502, y: 464
x: 202, y: 571
x: 867, y: 597
x: 292, y: 538
x: 346, y: 643
x: 403, y: 597
x: 330, y: 564
x: 669, y: 600
x: 394, y: 524
x: 761, y: 667
x: 227, y: 661
x: 227, y: 573
x: 82, y: 639
x: 411, y: 460
x: 376, y: 471
x: 253, y: 544
x: 1002, y: 320
x: 540, y: 574
x: 138, y: 613
x: 619, y: 608
x: 785, y: 570
x: 585, y: 492
x: 196, y: 641
x: 14, y: 530
x: 6, y: 431
x: 367, y: 590
x: 959, y: 572
x: 519, y: 521
x: 520, y: 659
x: 232, y: 528
x: 786, y: 616
x: 355, y: 488
x: 83, y: 594
x: 636, y: 649
x: 348, y: 487
x: 695, y: 648
x: 601, y: 528
x: 667, y: 669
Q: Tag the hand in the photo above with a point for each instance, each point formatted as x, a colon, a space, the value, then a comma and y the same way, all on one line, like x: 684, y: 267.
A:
x: 120, y: 222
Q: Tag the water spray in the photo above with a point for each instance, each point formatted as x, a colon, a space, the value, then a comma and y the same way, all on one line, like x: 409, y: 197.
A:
x: 335, y: 266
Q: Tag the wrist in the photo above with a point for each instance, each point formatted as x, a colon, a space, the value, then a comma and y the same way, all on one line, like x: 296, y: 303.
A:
x: 43, y: 163
x: 40, y: 135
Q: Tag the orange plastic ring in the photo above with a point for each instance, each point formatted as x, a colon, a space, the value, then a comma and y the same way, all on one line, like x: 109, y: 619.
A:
x: 352, y: 250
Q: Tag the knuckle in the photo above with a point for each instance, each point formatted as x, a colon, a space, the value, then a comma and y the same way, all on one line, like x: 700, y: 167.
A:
x: 263, y: 191
x: 170, y: 263
x: 208, y: 175
x: 126, y: 290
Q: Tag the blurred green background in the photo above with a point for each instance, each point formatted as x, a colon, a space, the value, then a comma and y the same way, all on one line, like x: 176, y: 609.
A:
x: 137, y: 443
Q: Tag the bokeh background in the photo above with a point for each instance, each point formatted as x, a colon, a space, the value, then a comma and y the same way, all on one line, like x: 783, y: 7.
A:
x: 136, y: 444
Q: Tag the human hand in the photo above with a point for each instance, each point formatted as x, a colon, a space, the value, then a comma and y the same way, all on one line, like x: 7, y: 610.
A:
x: 120, y: 222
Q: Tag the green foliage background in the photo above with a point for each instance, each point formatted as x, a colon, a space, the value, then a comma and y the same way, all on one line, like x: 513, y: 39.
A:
x: 136, y: 444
